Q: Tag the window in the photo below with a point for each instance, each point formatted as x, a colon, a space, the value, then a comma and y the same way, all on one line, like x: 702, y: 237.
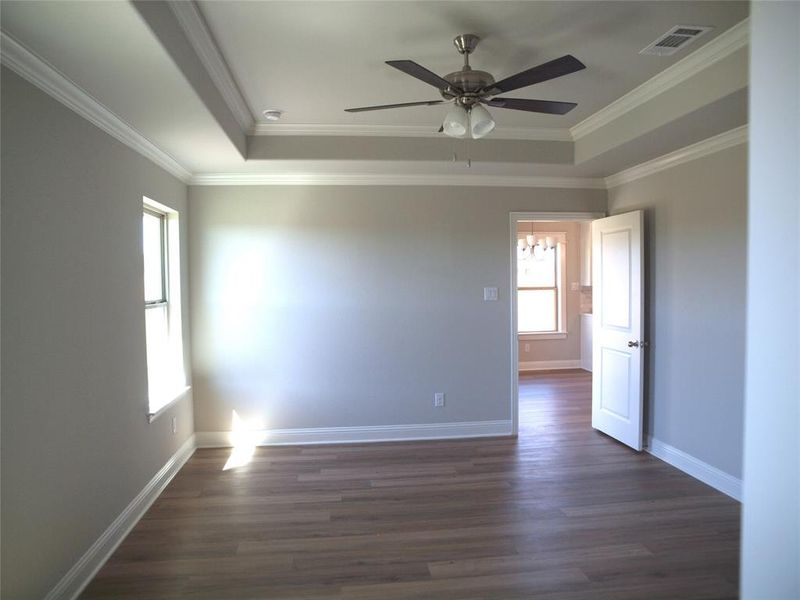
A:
x: 166, y: 380
x: 540, y: 297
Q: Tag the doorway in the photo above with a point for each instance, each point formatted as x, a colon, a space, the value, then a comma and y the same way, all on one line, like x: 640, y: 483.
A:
x: 551, y: 309
x: 550, y: 293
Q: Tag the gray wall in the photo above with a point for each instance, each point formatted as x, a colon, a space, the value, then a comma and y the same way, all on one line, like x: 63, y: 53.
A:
x: 771, y: 515
x: 76, y: 445
x: 695, y: 253
x: 345, y: 306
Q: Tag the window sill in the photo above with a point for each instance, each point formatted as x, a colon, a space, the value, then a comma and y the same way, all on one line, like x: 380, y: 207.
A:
x: 175, y: 398
x: 557, y: 335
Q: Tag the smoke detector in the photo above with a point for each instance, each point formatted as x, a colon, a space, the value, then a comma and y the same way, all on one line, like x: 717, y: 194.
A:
x: 272, y: 114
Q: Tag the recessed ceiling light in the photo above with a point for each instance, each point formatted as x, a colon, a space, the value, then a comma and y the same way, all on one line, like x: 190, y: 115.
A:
x: 273, y: 114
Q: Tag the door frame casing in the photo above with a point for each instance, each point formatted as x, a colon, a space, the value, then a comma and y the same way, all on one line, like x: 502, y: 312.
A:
x: 514, y: 218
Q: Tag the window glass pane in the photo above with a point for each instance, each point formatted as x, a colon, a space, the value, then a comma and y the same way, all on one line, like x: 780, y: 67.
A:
x: 537, y: 271
x: 158, y: 354
x: 536, y: 310
x: 152, y: 232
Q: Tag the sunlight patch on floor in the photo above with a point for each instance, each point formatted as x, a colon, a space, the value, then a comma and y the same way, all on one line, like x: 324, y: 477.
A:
x: 244, y: 440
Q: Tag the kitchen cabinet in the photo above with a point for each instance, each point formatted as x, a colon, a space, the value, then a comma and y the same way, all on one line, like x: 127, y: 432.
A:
x: 586, y: 341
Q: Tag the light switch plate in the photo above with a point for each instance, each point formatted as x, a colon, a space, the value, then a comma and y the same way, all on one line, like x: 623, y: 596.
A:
x: 490, y: 294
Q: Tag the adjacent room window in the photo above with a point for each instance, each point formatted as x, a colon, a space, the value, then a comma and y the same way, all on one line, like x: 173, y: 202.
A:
x: 166, y: 379
x: 540, y: 287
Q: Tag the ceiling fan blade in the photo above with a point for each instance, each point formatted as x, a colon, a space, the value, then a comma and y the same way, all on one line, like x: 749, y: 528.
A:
x: 540, y: 106
x: 384, y: 106
x: 549, y: 70
x: 409, y: 67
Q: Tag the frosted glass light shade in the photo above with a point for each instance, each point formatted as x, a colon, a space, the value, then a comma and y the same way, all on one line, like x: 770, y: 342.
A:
x: 481, y: 121
x: 456, y: 122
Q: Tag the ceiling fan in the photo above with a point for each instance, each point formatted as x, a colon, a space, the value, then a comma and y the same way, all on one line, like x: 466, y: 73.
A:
x: 470, y: 89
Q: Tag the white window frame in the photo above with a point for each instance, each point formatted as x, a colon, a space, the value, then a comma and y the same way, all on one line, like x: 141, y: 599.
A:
x: 158, y: 401
x: 561, y: 297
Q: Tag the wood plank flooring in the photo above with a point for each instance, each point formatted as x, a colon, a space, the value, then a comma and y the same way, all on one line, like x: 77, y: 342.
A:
x: 562, y: 513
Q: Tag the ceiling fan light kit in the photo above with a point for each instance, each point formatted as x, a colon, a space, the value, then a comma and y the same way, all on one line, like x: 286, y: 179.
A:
x: 477, y: 121
x: 470, y: 89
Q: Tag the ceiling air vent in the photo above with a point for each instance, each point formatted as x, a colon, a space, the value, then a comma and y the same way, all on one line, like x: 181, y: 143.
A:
x: 676, y: 38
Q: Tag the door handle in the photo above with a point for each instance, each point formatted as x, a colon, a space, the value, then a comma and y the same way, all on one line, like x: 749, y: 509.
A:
x: 635, y: 344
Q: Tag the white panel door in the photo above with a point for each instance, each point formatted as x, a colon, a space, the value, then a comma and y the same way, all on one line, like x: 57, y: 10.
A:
x: 618, y: 348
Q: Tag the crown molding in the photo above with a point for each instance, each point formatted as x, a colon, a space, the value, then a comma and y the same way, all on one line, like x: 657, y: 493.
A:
x: 47, y: 78
x: 417, y: 131
x: 379, y: 179
x: 720, y: 47
x: 723, y: 141
x: 200, y: 37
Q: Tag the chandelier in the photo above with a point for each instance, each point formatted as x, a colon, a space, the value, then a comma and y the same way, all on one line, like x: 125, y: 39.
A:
x: 533, y: 247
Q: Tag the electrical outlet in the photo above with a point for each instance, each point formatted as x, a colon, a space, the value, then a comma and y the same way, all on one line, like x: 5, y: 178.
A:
x: 438, y: 399
x: 490, y: 294
x: 527, y: 347
x: 174, y: 424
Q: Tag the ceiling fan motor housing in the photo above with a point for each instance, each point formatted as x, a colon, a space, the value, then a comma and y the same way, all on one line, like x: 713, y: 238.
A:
x: 471, y: 82
x: 467, y: 80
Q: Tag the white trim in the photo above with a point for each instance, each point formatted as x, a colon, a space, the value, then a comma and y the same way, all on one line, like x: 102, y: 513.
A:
x: 534, y: 337
x: 200, y: 37
x: 351, y: 130
x: 716, y: 478
x: 720, y: 47
x: 723, y: 141
x: 82, y: 572
x: 180, y: 395
x: 350, y: 435
x: 549, y: 365
x: 47, y: 78
x: 555, y: 216
x: 393, y: 179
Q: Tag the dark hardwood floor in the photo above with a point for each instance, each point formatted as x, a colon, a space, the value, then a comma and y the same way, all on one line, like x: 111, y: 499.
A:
x: 564, y: 512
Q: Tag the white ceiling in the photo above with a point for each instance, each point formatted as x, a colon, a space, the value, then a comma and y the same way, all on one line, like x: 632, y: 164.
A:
x: 314, y: 59
x: 108, y: 50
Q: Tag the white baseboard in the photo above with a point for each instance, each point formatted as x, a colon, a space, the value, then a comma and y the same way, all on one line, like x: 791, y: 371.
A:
x: 82, y: 572
x: 549, y: 365
x: 349, y: 435
x: 719, y: 480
